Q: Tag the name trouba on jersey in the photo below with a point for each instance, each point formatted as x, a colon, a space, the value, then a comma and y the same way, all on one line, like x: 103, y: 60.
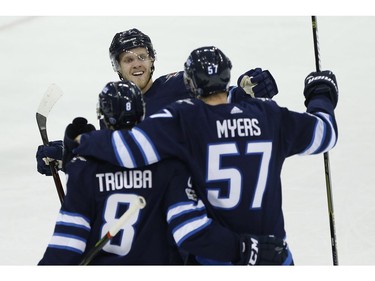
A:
x: 134, y: 179
x: 124, y: 179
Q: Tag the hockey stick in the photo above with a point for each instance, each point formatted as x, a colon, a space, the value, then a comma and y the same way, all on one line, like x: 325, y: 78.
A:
x: 138, y: 204
x: 326, y: 155
x: 51, y: 96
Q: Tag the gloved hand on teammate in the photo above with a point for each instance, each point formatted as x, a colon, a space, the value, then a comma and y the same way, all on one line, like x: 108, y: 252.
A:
x: 264, y: 250
x: 48, y: 154
x: 321, y: 83
x: 78, y: 126
x: 258, y: 83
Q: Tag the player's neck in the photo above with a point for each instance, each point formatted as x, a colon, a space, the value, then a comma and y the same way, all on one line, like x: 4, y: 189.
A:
x: 148, y: 86
x: 218, y: 98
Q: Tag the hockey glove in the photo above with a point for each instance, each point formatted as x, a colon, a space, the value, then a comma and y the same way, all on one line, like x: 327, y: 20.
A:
x: 321, y: 83
x: 78, y: 126
x: 258, y: 83
x: 46, y: 154
x: 263, y: 250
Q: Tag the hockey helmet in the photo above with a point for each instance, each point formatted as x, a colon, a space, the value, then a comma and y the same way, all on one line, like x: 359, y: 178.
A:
x: 121, y: 105
x: 207, y: 71
x: 127, y: 40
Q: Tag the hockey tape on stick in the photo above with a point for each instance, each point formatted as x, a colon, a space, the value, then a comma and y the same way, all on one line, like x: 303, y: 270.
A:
x: 134, y: 207
x: 49, y: 99
x: 138, y: 204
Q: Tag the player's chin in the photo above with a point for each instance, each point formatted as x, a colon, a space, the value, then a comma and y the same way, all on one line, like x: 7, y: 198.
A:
x: 140, y: 80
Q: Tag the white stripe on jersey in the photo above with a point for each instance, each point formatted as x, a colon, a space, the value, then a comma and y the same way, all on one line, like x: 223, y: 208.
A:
x: 145, y: 146
x: 183, y: 208
x: 67, y: 242
x: 123, y: 154
x: 333, y: 140
x: 319, y: 135
x: 184, y: 231
x: 73, y: 219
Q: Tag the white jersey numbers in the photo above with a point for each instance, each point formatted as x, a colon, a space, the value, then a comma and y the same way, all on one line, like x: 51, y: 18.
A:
x: 111, y: 216
x: 233, y: 176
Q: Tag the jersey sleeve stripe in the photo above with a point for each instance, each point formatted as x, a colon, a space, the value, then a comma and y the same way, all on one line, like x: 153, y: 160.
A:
x: 65, y: 242
x: 317, y: 139
x: 184, y: 231
x: 323, y: 130
x: 71, y: 219
x: 122, y: 152
x: 333, y: 139
x: 180, y: 209
x: 145, y: 145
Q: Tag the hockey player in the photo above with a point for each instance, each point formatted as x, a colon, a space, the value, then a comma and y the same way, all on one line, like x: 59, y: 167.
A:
x: 98, y: 193
x: 234, y: 151
x: 133, y: 56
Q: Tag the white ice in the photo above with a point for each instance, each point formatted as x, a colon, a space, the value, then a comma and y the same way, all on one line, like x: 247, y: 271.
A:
x: 73, y: 53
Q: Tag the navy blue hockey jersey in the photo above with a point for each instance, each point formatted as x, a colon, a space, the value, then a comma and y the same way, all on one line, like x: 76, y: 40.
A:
x: 171, y: 87
x: 235, y: 152
x: 99, y: 193
x: 165, y: 90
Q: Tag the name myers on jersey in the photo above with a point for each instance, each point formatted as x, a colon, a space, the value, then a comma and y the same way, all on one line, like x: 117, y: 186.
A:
x: 124, y: 179
x: 241, y: 127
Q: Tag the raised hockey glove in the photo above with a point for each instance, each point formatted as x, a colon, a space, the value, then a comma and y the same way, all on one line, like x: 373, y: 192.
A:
x: 321, y: 83
x: 47, y: 154
x: 258, y: 83
x: 78, y: 126
x: 263, y: 250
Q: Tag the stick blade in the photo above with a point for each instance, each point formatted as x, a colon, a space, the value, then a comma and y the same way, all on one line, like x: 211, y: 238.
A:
x: 51, y: 96
x: 49, y: 99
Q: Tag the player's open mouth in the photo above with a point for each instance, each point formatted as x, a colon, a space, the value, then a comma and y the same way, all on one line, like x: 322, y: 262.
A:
x: 139, y: 73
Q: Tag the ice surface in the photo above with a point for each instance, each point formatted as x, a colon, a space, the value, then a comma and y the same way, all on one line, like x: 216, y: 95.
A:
x: 73, y: 53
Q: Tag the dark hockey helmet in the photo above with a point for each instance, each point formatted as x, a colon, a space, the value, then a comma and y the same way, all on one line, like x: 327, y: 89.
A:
x: 127, y: 40
x: 207, y: 71
x: 121, y: 105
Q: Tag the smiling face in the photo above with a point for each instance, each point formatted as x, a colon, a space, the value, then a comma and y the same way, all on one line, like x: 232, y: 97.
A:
x: 136, y: 65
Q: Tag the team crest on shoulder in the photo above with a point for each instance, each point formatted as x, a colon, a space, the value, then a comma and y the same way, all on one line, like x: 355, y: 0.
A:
x: 171, y: 75
x: 189, y: 101
x: 190, y: 192
x: 78, y: 158
x: 162, y: 114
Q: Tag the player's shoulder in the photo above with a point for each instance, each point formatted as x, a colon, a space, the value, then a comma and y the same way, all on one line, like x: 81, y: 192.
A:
x: 80, y: 164
x: 183, y: 106
x: 175, y: 163
x: 169, y: 166
x: 258, y: 102
x: 173, y: 77
x: 167, y: 163
x: 263, y: 108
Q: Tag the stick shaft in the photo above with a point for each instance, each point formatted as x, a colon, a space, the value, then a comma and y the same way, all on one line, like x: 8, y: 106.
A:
x: 326, y: 155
